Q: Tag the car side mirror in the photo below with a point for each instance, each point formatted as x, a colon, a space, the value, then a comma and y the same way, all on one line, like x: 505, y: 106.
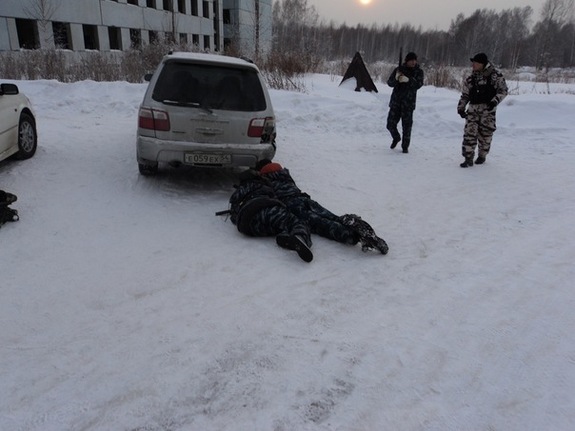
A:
x: 8, y: 89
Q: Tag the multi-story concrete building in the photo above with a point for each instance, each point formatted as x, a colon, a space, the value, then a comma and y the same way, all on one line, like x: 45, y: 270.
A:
x: 106, y: 25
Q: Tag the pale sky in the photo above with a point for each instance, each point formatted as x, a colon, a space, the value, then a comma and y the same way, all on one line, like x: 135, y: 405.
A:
x: 430, y: 14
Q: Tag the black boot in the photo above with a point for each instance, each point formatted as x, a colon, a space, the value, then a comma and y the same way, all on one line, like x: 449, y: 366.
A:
x: 394, y: 143
x: 297, y: 243
x: 468, y: 162
x: 369, y: 240
x: 7, y: 198
x: 480, y: 160
x: 8, y: 214
x: 405, y: 145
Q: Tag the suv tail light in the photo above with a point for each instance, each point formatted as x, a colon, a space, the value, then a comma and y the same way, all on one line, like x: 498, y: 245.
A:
x: 264, y: 128
x: 154, y: 119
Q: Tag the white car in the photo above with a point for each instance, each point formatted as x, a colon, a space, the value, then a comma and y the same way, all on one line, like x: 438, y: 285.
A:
x: 205, y: 110
x: 18, y: 136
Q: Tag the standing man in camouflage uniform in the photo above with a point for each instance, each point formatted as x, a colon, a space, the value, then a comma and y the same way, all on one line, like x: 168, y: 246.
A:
x: 405, y: 81
x: 483, y: 90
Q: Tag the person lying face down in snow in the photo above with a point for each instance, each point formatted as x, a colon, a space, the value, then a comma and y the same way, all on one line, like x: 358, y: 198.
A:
x: 267, y: 202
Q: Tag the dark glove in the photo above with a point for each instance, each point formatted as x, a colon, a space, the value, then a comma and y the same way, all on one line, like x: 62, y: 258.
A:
x: 462, y: 113
x: 491, y: 105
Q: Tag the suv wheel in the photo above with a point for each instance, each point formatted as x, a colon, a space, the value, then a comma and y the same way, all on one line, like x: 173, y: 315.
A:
x: 148, y: 169
x: 27, y: 137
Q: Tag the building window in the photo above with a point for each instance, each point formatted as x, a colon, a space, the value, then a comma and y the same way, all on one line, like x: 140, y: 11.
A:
x: 195, y: 7
x: 61, y: 33
x: 182, y: 6
x: 115, y: 36
x: 135, y: 38
x: 27, y: 33
x: 227, y: 16
x: 151, y: 3
x: 168, y: 5
x: 196, y: 40
x: 90, y: 37
x: 183, y: 39
x: 207, y: 43
x: 206, y: 9
x: 134, y: 2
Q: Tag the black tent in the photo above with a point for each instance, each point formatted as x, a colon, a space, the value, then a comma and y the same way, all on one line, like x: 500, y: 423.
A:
x: 358, y: 71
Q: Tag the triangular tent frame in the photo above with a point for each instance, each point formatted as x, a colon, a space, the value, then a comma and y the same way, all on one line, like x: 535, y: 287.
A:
x: 357, y: 70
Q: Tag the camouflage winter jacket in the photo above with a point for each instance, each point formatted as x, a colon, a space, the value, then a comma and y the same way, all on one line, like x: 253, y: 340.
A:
x: 252, y: 195
x: 302, y: 205
x: 487, y: 85
x: 404, y: 94
x: 284, y: 185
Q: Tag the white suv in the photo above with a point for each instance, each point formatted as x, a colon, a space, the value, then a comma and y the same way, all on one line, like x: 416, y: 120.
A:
x: 205, y: 110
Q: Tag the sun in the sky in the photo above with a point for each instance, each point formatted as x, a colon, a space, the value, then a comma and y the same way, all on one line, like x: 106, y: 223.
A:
x: 365, y: 2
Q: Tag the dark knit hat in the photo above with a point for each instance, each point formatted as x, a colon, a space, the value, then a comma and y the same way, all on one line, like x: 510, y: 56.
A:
x: 270, y: 167
x: 480, y: 58
x: 410, y: 56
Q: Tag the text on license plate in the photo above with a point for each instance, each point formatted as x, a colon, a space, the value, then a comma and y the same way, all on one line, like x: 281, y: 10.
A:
x: 208, y: 159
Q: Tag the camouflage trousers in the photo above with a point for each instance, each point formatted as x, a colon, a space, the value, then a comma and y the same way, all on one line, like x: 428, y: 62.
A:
x: 395, y: 114
x: 321, y: 221
x: 479, y: 129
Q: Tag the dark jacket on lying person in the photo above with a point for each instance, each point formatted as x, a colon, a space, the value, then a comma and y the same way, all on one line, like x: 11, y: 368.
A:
x: 267, y: 202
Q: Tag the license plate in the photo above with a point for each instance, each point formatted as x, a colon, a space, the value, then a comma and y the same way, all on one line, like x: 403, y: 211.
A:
x: 208, y: 159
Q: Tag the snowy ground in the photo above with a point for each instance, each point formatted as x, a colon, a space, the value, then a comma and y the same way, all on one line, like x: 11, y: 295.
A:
x: 127, y: 305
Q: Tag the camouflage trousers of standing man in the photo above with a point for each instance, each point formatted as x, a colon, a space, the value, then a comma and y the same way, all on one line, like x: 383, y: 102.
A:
x: 395, y: 114
x: 479, y: 129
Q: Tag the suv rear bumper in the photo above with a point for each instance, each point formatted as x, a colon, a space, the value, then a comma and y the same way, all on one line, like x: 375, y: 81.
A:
x: 152, y: 150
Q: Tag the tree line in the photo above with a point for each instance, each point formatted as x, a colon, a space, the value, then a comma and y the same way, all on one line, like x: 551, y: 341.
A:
x: 509, y: 37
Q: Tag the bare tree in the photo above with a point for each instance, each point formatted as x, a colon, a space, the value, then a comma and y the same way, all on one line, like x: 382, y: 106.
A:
x: 554, y: 15
x: 292, y: 20
x: 261, y: 31
x: 559, y: 11
x: 514, y: 30
x: 506, y: 36
x: 42, y: 11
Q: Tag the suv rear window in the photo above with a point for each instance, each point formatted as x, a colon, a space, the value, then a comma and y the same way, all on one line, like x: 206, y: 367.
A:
x: 209, y: 87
